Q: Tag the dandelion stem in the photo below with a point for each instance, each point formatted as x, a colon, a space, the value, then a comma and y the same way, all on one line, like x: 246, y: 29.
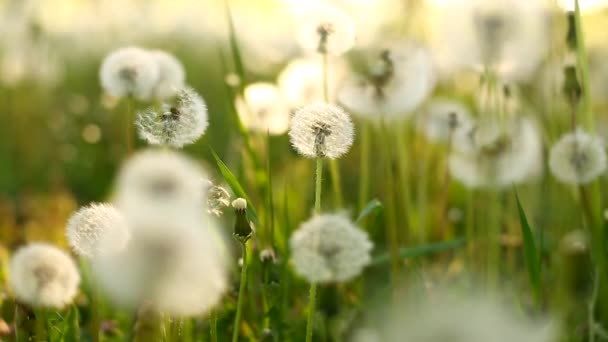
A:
x: 41, y: 328
x: 364, y: 166
x: 242, y: 288
x: 213, y: 326
x: 129, y: 126
x: 583, y: 66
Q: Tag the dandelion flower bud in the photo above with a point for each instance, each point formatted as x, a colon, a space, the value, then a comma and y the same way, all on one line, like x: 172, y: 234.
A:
x: 177, y: 124
x: 90, y: 224
x: 577, y: 158
x: 321, y: 130
x: 442, y: 118
x: 171, y: 75
x: 329, y: 248
x: 263, y: 109
x: 129, y: 71
x: 43, y: 276
x: 242, y: 226
x: 327, y: 30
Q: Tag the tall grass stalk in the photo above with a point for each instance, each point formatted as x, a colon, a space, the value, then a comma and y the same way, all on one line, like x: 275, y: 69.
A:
x: 364, y: 164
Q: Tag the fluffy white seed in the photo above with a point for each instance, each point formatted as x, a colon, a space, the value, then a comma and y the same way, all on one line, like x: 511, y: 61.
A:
x: 321, y: 130
x: 329, y: 248
x: 88, y: 226
x: 442, y: 117
x: 129, y: 71
x: 175, y: 124
x: 171, y: 75
x: 327, y: 30
x: 577, y: 158
x: 263, y: 109
x: 43, y: 276
x: 399, y: 78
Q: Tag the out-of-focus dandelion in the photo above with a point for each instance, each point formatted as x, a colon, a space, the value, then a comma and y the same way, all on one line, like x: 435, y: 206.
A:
x: 577, y: 158
x: 399, y: 79
x: 177, y: 267
x: 171, y: 75
x: 218, y: 198
x: 301, y: 80
x: 326, y: 30
x: 442, y: 117
x: 89, y: 225
x: 43, y: 276
x: 329, y: 248
x: 321, y: 130
x: 496, y: 154
x: 263, y: 109
x: 157, y: 185
x: 175, y: 124
x: 129, y: 71
x: 448, y: 317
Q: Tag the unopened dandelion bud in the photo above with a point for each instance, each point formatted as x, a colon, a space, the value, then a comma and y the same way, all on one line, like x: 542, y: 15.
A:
x: 571, y: 38
x: 572, y: 87
x: 267, y: 255
x: 242, y: 226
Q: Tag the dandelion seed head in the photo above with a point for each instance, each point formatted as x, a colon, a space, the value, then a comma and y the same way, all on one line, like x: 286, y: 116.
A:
x: 43, y: 276
x: 263, y: 109
x: 171, y: 75
x: 156, y: 185
x: 239, y: 203
x: 175, y: 124
x: 400, y: 77
x: 493, y: 154
x: 129, y: 71
x: 178, y: 267
x: 577, y: 158
x: 218, y: 198
x: 321, y: 130
x: 327, y: 30
x: 329, y: 248
x: 442, y: 117
x: 90, y: 224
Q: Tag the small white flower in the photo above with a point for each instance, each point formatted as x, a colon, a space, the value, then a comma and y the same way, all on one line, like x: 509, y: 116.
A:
x: 442, y: 117
x: 327, y: 30
x: 399, y: 79
x: 157, y: 185
x: 175, y: 124
x: 329, y: 248
x: 263, y: 109
x: 321, y: 130
x: 89, y: 225
x: 577, y: 158
x: 43, y: 276
x: 171, y: 75
x: 177, y: 267
x: 129, y: 71
x: 496, y: 154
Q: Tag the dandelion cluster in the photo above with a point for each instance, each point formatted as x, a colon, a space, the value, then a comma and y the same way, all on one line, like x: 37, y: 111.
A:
x: 577, y: 158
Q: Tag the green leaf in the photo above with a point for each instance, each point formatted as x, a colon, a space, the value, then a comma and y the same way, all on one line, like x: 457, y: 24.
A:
x: 72, y: 331
x: 530, y: 251
x: 420, y: 251
x: 235, y: 186
x: 373, y: 207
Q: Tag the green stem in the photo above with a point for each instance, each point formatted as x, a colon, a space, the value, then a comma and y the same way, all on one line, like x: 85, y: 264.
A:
x: 213, y: 326
x: 583, y: 67
x: 312, y: 297
x: 242, y: 288
x: 129, y: 126
x: 364, y: 166
x: 41, y: 327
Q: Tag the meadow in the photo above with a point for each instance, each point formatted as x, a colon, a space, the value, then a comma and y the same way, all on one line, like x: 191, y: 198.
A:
x: 282, y: 170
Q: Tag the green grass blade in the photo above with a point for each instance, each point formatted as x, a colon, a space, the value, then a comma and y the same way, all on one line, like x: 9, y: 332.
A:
x: 420, y: 251
x: 236, y: 187
x: 234, y: 46
x: 373, y: 207
x: 530, y: 251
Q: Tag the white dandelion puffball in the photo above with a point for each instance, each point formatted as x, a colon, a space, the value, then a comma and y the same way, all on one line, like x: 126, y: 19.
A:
x: 171, y: 75
x: 178, y: 267
x: 301, y: 82
x: 89, y: 225
x: 577, y: 158
x: 157, y: 185
x: 442, y: 117
x: 321, y: 130
x: 329, y: 248
x: 175, y: 124
x: 496, y: 154
x: 129, y: 71
x: 509, y: 37
x: 42, y: 275
x: 263, y: 109
x: 326, y: 30
x: 400, y: 77
x: 449, y: 317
